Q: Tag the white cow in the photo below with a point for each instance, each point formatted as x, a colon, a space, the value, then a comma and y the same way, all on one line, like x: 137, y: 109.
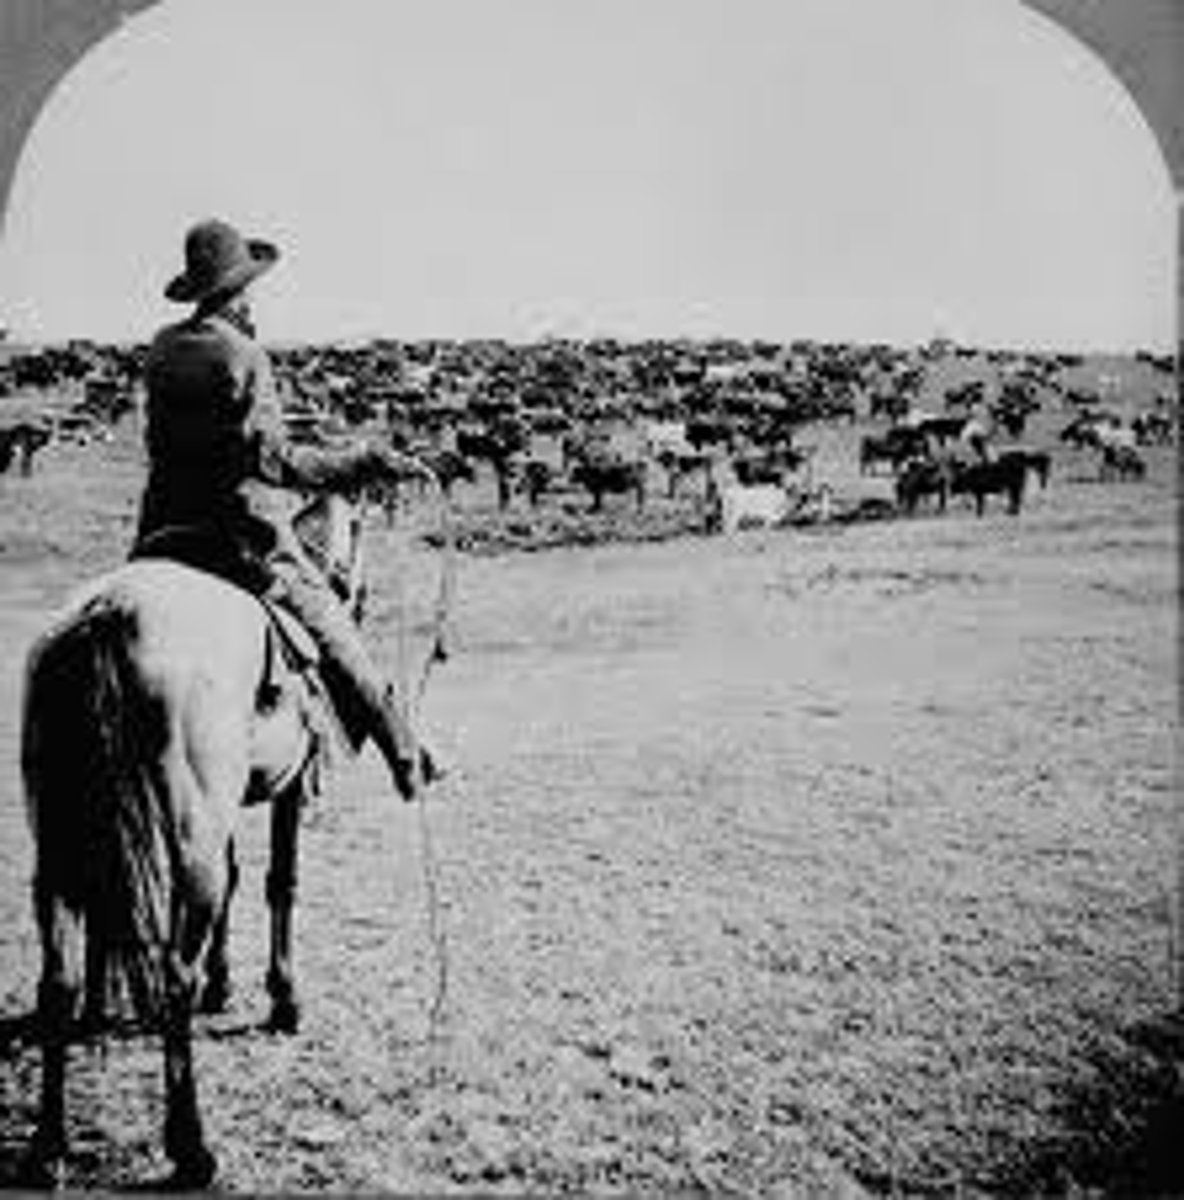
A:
x: 1115, y: 434
x: 738, y: 506
x: 668, y: 436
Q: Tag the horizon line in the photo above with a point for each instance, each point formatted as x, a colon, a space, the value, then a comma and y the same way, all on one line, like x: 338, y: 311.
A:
x: 9, y: 343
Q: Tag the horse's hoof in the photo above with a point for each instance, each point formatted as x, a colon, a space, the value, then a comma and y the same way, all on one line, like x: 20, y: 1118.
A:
x: 93, y: 1022
x: 194, y: 1172
x: 215, y: 997
x: 42, y: 1171
x: 285, y: 1017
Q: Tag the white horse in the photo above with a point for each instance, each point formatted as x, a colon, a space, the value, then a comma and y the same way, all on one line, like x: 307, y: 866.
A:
x: 156, y: 704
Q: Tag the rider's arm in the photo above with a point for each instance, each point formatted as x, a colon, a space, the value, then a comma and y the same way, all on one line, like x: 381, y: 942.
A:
x: 284, y: 463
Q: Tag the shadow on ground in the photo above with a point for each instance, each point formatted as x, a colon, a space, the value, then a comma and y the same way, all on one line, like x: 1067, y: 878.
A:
x: 1122, y: 1129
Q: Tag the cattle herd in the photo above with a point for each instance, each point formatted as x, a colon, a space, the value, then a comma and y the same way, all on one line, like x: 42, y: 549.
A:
x: 576, y: 422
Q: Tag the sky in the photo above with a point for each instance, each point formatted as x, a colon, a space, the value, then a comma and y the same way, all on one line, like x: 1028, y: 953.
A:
x: 863, y: 170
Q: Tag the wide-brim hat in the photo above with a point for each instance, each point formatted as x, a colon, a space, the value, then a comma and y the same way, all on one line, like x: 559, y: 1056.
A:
x: 219, y: 261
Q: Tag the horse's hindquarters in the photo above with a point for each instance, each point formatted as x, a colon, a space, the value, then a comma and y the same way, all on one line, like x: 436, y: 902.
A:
x: 136, y: 745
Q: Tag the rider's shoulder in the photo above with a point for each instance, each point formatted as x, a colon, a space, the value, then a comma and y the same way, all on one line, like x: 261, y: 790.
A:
x: 212, y: 333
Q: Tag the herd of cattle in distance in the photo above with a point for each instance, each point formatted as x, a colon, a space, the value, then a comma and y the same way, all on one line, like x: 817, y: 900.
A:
x: 101, y: 381
x: 936, y: 457
x: 604, y: 418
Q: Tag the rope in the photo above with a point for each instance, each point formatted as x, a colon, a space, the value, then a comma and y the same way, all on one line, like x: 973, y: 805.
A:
x: 437, y: 935
x: 412, y: 704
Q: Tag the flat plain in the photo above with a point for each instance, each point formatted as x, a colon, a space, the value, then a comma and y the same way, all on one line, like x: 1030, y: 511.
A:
x: 828, y: 860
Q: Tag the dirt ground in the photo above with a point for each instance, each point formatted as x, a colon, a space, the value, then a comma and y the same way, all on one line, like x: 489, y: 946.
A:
x: 810, y: 861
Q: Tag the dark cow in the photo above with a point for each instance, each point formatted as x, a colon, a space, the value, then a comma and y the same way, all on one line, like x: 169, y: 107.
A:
x: 22, y: 441
x: 1081, y: 431
x: 888, y: 404
x: 942, y: 429
x: 1013, y: 419
x: 496, y: 442
x: 1152, y: 428
x: 33, y: 371
x: 81, y: 429
x: 500, y: 444
x: 707, y: 431
x: 966, y: 395
x: 1122, y: 462
x: 1016, y: 403
x: 602, y: 475
x: 450, y: 467
x: 1005, y: 476
x: 107, y: 399
x: 681, y: 464
x: 1038, y: 462
x: 536, y: 477
x: 895, y: 447
x: 768, y: 466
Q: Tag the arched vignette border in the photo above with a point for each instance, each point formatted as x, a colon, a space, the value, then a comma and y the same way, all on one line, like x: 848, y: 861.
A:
x: 1141, y: 41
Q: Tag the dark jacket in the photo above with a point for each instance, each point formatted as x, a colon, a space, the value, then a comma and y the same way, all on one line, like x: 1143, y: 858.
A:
x: 222, y: 473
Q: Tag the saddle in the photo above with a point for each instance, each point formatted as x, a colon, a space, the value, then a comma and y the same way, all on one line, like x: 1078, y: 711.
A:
x: 300, y: 716
x: 302, y: 710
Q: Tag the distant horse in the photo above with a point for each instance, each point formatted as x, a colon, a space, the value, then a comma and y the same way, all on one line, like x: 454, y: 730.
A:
x: 874, y: 449
x: 921, y: 477
x: 156, y: 703
x: 1005, y: 476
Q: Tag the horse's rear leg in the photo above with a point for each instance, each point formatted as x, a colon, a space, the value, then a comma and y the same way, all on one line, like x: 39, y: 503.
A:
x: 205, y: 777
x: 57, y: 993
x: 215, y: 992
x: 281, y: 897
x: 184, y: 1141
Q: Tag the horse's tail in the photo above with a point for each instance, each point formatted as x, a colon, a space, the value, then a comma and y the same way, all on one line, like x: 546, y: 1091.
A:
x: 103, y: 832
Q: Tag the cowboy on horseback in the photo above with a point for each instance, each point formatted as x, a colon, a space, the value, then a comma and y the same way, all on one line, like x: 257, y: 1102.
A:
x: 223, y: 477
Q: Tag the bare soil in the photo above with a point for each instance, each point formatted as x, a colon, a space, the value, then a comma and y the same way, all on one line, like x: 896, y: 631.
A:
x: 833, y: 860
